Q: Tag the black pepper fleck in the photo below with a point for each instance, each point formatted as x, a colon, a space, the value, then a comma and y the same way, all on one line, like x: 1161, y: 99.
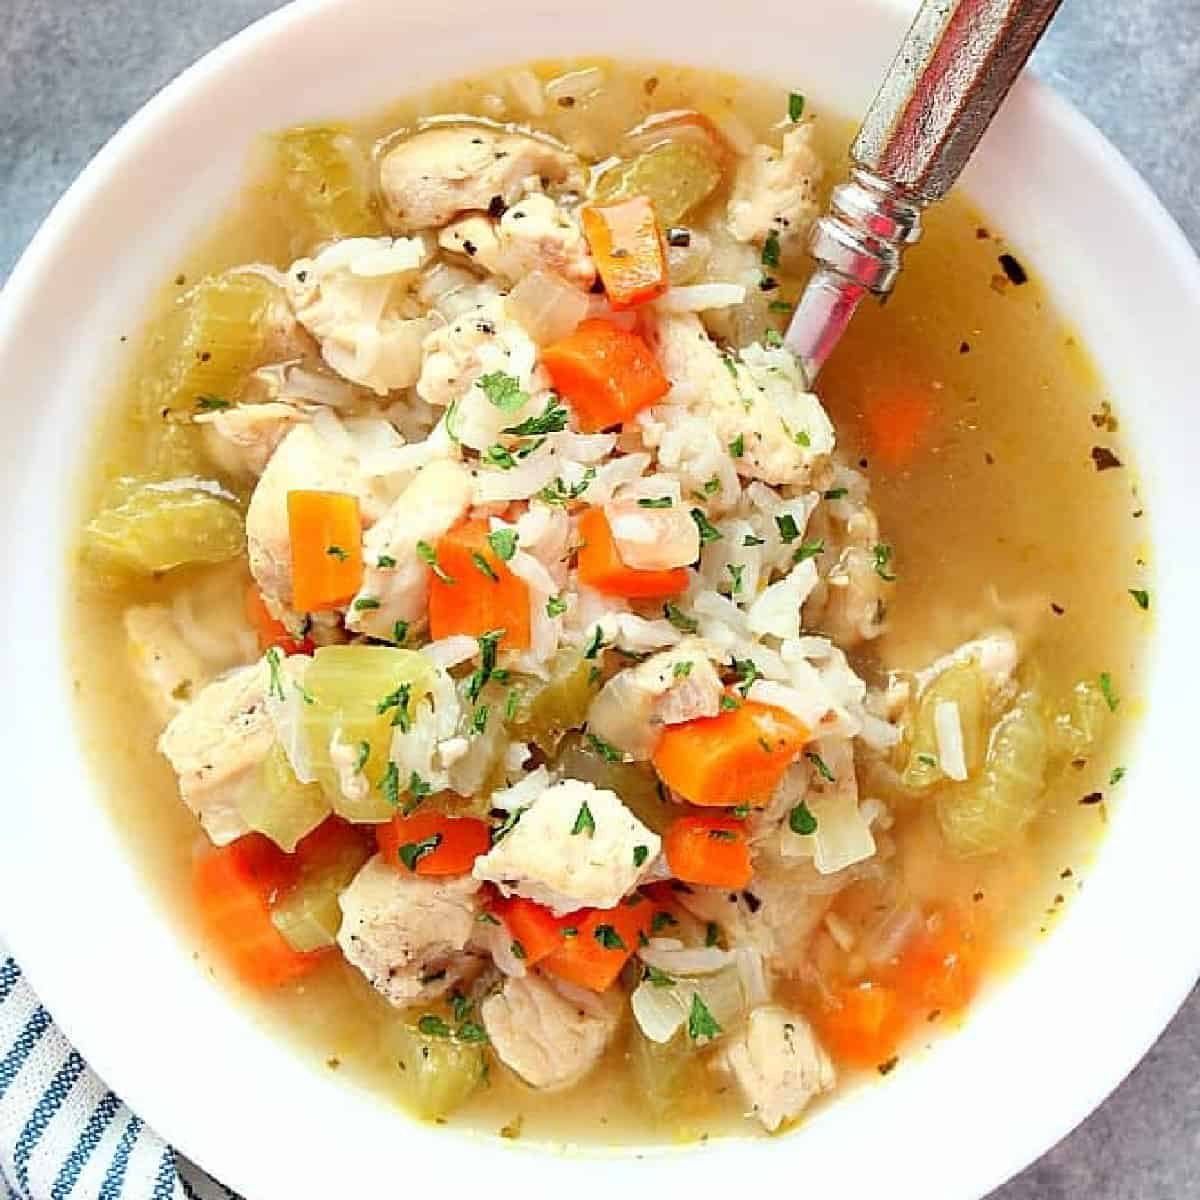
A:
x: 1093, y: 798
x: 1013, y: 269
x: 1057, y: 609
x: 1104, y: 458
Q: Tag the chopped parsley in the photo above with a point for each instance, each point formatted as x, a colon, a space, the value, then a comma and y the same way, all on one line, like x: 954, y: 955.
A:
x: 400, y: 631
x: 1106, y: 687
x: 927, y: 760
x: 729, y: 703
x: 337, y: 552
x: 360, y: 760
x: 399, y: 700
x: 661, y: 920
x: 779, y: 306
x: 486, y: 918
x: 471, y: 1031
x: 683, y: 623
x: 681, y: 670
x: 738, y: 446
x: 773, y: 339
x: 1115, y: 776
x: 596, y: 644
x: 479, y: 719
x: 209, y: 403
x: 606, y: 751
x: 487, y: 663
x: 460, y: 1006
x: 497, y: 456
x: 657, y: 978
x: 518, y: 951
x: 701, y: 1023
x: 708, y: 531
x: 386, y: 561
x: 427, y: 554
x: 275, y: 687
x: 712, y: 934
x: 561, y: 493
x: 801, y: 821
x: 366, y: 603
x: 640, y: 854
x: 655, y: 502
x: 770, y: 249
x: 432, y: 1026
x: 609, y: 938
x: 1141, y: 598
x: 507, y: 825
x: 411, y: 853
x: 741, y: 811
x: 821, y: 765
x: 747, y: 673
x: 556, y: 606
x: 795, y: 106
x: 552, y: 419
x: 751, y: 540
x: 584, y: 822
x: 735, y: 573
x: 837, y: 493
x: 483, y: 566
x: 503, y: 390
x: 723, y: 835
x: 389, y: 785
x: 570, y: 931
x: 418, y: 789
x: 789, y: 531
x: 503, y: 543
x: 883, y: 557
x: 510, y: 704
x: 730, y: 365
x: 802, y: 439
x: 809, y: 550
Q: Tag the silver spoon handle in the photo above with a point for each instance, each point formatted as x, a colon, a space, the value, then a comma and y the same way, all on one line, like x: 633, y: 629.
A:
x: 958, y: 61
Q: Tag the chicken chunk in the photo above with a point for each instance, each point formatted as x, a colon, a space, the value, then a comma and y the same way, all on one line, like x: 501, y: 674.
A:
x: 437, y: 498
x: 679, y: 684
x: 217, y: 744
x: 996, y: 653
x: 779, y: 1065
x: 573, y: 847
x: 784, y: 432
x: 304, y: 460
x: 408, y: 934
x: 168, y: 670
x: 241, y: 440
x: 534, y: 234
x: 356, y: 298
x: 775, y: 191
x: 483, y: 342
x: 551, y: 1040
x: 849, y: 605
x: 431, y: 177
x: 651, y: 526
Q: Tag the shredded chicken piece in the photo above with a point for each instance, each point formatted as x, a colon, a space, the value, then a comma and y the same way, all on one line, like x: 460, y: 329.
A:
x: 217, y: 745
x: 167, y: 668
x: 775, y: 191
x: 431, y: 177
x: 408, y: 934
x: 241, y: 440
x: 574, y: 847
x: 551, y: 1040
x: 779, y: 1065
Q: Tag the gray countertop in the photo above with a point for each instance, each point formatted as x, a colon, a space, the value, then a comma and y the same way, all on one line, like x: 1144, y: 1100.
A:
x: 72, y: 73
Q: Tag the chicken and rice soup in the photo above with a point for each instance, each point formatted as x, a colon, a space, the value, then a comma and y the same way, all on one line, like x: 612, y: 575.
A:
x: 527, y: 691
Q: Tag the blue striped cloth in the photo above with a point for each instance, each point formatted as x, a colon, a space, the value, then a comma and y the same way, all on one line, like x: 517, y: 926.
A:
x: 62, y: 1132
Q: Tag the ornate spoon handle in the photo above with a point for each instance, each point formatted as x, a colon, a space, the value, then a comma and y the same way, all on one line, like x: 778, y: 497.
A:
x: 950, y: 75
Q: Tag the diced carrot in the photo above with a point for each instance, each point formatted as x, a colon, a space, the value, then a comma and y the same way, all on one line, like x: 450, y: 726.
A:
x: 862, y: 1024
x: 269, y: 631
x: 607, y: 374
x: 627, y: 244
x: 896, y: 425
x: 940, y: 968
x: 711, y: 850
x: 325, y: 529
x: 599, y: 943
x: 531, y: 926
x: 600, y: 565
x: 736, y: 757
x: 233, y: 887
x: 472, y: 591
x: 433, y: 843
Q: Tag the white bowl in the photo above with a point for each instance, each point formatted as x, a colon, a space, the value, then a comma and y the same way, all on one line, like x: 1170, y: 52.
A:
x: 1036, y: 1057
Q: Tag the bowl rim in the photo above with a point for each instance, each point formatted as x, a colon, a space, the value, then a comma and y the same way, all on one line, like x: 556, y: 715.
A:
x: 145, y: 1090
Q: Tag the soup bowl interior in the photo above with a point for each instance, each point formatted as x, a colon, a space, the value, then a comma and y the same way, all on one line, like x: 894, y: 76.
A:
x: 1038, y: 1053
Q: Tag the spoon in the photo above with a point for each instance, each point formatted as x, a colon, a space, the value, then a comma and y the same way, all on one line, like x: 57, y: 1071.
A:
x: 952, y: 72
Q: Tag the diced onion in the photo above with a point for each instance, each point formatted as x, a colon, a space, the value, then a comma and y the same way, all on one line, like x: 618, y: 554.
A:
x: 547, y: 306
x: 697, y: 960
x: 662, y: 1011
x: 698, y: 297
x: 947, y: 725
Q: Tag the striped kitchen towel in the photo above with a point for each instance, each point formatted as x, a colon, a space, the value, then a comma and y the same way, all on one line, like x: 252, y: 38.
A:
x: 62, y: 1132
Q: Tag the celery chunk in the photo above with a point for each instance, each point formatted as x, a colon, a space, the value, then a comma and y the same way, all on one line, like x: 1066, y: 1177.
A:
x: 283, y: 808
x: 677, y: 176
x: 437, y: 1072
